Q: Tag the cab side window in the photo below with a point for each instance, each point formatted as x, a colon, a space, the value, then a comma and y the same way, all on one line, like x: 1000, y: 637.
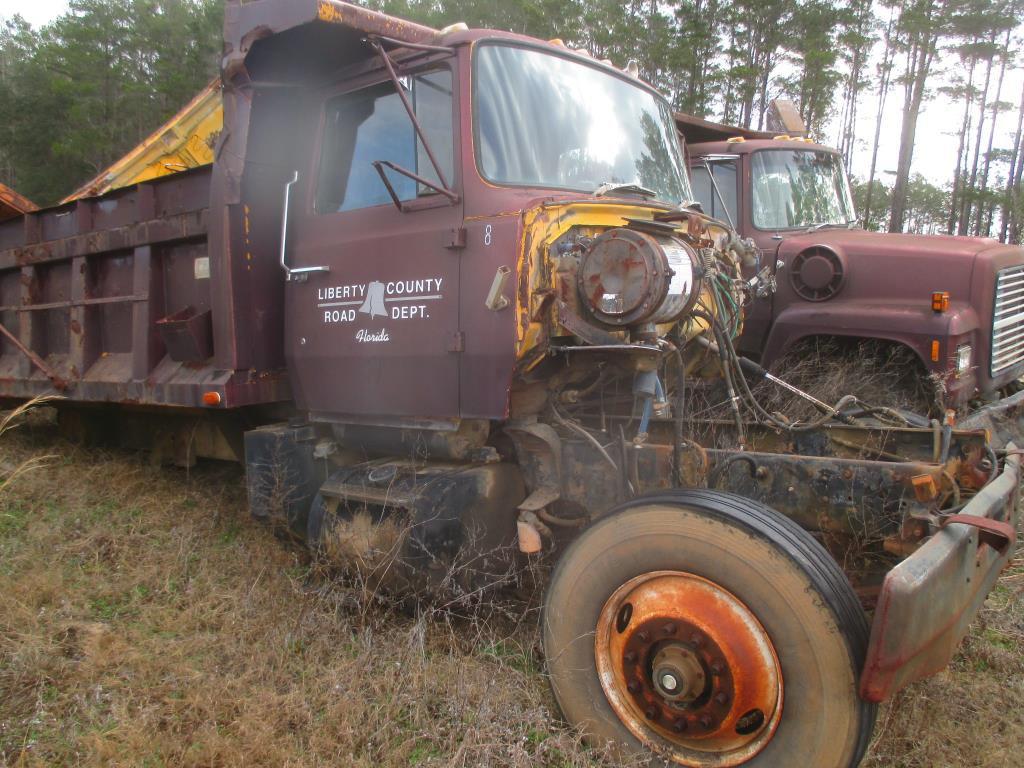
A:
x: 723, y: 207
x: 372, y: 124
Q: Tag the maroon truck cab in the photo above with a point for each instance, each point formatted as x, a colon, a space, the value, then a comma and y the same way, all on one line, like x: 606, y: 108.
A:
x: 791, y: 197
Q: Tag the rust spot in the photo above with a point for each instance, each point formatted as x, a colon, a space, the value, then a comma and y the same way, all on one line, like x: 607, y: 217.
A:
x: 690, y: 643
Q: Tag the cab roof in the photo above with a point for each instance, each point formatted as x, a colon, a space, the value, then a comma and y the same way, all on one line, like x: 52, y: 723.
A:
x: 746, y: 146
x: 708, y: 137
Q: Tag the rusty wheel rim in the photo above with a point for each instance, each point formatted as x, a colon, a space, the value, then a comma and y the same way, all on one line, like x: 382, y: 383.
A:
x: 689, y: 669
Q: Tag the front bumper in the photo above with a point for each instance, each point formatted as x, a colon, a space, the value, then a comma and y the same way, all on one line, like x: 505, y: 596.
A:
x: 929, y: 599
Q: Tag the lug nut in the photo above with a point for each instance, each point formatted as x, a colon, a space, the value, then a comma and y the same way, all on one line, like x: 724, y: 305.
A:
x: 679, y: 725
x: 643, y: 635
x: 669, y: 629
x: 651, y: 712
x: 697, y: 639
x: 722, y: 698
x: 630, y: 657
x: 706, y: 722
x: 633, y: 686
x: 717, y: 667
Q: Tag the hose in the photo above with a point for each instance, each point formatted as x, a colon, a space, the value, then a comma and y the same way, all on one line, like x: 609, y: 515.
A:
x: 645, y: 416
x: 677, y: 417
x: 561, y: 522
x: 716, y: 329
x: 722, y: 466
x: 586, y: 435
x: 731, y: 357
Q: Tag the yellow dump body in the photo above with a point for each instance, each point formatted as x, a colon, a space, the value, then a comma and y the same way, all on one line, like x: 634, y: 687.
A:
x: 185, y: 141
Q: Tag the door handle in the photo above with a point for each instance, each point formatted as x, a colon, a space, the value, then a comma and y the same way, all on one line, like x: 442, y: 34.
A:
x: 298, y: 273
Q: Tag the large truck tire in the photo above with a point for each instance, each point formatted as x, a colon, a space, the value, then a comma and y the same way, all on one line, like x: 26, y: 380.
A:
x: 704, y: 629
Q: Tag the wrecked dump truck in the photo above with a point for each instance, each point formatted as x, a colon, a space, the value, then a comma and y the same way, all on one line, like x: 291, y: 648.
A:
x: 955, y: 304
x: 439, y: 295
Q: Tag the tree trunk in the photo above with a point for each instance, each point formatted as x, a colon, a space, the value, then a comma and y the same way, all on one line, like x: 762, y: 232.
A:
x: 921, y: 54
x: 884, y: 73
x: 954, y: 199
x: 1016, y: 162
x: 966, y: 204
x: 985, y: 229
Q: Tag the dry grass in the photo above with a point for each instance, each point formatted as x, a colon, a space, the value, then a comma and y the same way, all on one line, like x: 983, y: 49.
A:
x: 877, y: 373
x: 828, y: 369
x: 146, y: 621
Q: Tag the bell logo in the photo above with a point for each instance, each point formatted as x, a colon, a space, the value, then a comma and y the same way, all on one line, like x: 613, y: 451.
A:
x: 374, y: 304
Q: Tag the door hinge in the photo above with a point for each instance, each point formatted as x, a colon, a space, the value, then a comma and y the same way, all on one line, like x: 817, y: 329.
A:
x: 457, y: 342
x: 455, y: 239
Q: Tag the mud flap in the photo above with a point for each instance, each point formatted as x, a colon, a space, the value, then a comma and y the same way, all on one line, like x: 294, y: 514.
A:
x: 281, y: 474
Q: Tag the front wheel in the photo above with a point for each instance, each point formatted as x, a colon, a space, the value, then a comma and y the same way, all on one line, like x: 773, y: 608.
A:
x: 705, y: 629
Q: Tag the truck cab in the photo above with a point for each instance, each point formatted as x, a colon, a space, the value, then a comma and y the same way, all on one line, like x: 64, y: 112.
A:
x: 956, y: 302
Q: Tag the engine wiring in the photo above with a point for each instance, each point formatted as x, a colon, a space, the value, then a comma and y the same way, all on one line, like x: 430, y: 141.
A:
x: 613, y: 407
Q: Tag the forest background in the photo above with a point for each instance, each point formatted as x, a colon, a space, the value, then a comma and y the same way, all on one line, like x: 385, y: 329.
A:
x: 79, y: 91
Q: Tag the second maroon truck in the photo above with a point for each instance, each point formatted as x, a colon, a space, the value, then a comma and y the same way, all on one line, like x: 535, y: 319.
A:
x: 956, y: 302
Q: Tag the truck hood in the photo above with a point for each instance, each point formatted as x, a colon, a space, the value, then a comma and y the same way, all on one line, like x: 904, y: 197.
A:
x: 896, y: 266
x: 859, y: 241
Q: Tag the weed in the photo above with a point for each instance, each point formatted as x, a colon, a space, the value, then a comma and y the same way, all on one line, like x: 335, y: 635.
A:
x: 13, y: 519
x: 145, y: 637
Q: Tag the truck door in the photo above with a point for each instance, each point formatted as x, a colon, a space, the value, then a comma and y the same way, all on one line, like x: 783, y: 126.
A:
x: 719, y: 198
x: 717, y: 183
x: 369, y: 327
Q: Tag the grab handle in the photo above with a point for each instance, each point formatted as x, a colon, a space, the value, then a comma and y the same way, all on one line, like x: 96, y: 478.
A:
x: 298, y: 273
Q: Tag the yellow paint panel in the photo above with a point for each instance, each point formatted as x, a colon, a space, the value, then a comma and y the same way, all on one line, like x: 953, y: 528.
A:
x: 542, y: 226
x: 329, y: 12
x: 183, y: 142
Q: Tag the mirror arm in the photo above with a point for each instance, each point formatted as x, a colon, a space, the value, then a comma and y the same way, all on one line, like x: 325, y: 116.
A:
x: 380, y: 165
x: 389, y: 65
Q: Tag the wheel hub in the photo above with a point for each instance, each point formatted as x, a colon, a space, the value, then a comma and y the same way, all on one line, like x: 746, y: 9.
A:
x: 689, y: 669
x: 678, y: 674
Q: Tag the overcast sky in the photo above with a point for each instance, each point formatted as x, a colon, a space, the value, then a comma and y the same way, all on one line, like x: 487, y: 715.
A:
x: 36, y: 12
x: 934, y: 152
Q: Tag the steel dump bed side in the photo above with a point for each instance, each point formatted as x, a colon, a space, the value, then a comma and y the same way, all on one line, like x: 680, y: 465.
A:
x: 113, y: 298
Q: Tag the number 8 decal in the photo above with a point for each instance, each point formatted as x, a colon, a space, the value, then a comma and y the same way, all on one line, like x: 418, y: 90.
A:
x: 487, y: 234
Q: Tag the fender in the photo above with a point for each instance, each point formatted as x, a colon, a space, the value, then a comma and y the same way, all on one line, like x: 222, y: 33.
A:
x: 913, y: 327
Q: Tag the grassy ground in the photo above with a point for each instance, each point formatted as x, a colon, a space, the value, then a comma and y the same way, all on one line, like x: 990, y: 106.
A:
x: 144, y: 620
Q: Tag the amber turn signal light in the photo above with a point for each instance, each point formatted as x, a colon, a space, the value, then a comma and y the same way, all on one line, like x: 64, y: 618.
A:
x: 935, y: 350
x: 211, y: 398
x: 940, y: 301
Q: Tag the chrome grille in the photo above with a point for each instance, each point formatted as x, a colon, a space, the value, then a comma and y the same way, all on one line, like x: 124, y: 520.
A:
x: 1008, y: 320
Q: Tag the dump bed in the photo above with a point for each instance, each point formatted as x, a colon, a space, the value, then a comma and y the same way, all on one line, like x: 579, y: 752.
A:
x: 115, y: 298
x: 12, y: 204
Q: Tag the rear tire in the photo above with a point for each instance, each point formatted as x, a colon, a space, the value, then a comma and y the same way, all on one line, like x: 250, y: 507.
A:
x: 735, y: 550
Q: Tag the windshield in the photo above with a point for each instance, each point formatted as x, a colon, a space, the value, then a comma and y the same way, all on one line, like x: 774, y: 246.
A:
x: 547, y: 121
x: 800, y: 188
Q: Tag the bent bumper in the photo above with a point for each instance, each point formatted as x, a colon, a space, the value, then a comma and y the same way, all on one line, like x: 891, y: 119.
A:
x: 1002, y: 419
x: 928, y: 600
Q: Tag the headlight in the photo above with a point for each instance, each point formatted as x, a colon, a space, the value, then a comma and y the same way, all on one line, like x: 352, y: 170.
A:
x: 963, y: 359
x: 627, y: 277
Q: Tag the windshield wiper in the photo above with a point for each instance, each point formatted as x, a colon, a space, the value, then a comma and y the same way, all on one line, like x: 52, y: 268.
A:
x: 830, y: 224
x: 610, y: 186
